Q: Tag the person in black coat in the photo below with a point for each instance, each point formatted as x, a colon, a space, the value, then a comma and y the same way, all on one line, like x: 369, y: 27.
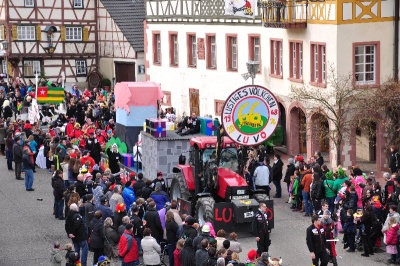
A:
x: 171, y: 228
x: 114, y: 157
x: 212, y: 260
x: 192, y: 124
x: 58, y: 185
x: 316, y: 242
x: 187, y: 255
x: 289, y: 172
x: 7, y: 112
x: 394, y: 160
x: 317, y: 192
x: 80, y: 187
x: 277, y: 175
x: 139, y: 185
x: 368, y: 220
x: 97, y: 236
x: 153, y: 221
x: 93, y: 145
x: 188, y: 231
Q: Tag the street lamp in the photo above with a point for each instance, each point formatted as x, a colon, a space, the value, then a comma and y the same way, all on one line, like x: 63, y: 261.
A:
x: 5, y: 48
x: 252, y: 69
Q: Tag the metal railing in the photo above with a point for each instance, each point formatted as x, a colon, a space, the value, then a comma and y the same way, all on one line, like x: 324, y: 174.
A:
x: 283, y: 12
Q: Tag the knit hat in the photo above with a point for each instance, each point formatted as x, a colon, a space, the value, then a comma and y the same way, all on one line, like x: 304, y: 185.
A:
x: 120, y: 207
x: 159, y: 174
x: 251, y: 255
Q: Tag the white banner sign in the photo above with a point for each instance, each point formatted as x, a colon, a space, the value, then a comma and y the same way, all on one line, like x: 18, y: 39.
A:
x: 241, y: 8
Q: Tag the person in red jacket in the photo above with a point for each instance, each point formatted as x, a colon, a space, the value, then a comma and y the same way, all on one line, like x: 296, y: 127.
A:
x: 70, y: 126
x: 86, y: 158
x: 391, y: 239
x: 77, y: 132
x: 128, y: 248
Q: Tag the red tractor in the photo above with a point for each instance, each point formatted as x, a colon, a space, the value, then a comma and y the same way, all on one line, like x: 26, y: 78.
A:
x: 211, y: 176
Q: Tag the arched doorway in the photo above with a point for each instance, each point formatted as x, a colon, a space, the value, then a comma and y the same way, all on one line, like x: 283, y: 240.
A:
x: 298, y: 131
x: 282, y: 122
x: 320, y: 133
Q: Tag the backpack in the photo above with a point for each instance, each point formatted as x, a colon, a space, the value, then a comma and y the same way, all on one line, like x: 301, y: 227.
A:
x: 129, y: 238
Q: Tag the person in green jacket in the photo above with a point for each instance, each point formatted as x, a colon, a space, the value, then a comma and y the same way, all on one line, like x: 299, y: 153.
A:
x: 330, y: 193
x: 341, y: 177
x: 296, y: 192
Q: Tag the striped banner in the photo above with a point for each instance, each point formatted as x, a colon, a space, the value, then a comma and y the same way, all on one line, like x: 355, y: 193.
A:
x: 50, y: 95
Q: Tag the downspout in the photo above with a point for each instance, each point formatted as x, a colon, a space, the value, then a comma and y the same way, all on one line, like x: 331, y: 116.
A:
x: 396, y: 41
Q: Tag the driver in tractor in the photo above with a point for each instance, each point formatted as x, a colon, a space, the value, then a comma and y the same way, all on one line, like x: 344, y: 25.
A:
x: 210, y: 168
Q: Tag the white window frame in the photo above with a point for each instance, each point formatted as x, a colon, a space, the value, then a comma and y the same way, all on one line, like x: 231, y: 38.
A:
x: 77, y: 3
x: 80, y: 67
x: 26, y: 33
x: 256, y: 49
x: 193, y: 47
x: 73, y: 33
x: 213, y: 52
x: 233, y: 43
x: 296, y: 49
x: 277, y: 57
x: 29, y: 3
x: 367, y: 60
x: 35, y: 65
x: 319, y: 63
x: 175, y: 58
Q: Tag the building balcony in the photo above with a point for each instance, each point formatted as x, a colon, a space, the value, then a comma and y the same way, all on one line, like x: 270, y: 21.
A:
x: 282, y: 14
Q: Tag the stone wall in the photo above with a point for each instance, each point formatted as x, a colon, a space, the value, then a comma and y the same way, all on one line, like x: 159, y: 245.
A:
x: 162, y: 154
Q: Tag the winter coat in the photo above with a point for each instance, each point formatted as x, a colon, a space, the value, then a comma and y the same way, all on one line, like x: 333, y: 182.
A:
x: 386, y: 224
x: 177, y: 261
x: 317, y: 190
x: 89, y: 213
x: 201, y: 255
x: 349, y: 227
x: 351, y: 202
x: 235, y: 246
x: 129, y: 196
x: 210, y: 262
x: 113, y: 159
x: 154, y: 223
x: 151, y: 251
x: 131, y: 254
x: 277, y: 170
x: 171, y: 227
x: 80, y: 188
x: 315, y: 239
x: 187, y: 254
x: 75, y: 225
x: 306, y: 181
x: 188, y: 232
x: 96, y: 235
x: 197, y: 240
x: 289, y: 172
x: 105, y: 210
x: 58, y: 187
x: 391, y: 235
x: 56, y: 257
x: 338, y: 183
x: 111, y: 239
x: 329, y: 190
x: 17, y: 153
x: 160, y: 198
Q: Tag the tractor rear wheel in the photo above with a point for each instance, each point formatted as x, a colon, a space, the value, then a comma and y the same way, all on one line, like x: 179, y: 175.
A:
x: 178, y: 188
x: 205, y: 210
x: 260, y: 197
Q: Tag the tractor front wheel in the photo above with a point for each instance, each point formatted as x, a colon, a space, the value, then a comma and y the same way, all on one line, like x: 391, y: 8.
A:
x: 178, y: 188
x: 205, y: 210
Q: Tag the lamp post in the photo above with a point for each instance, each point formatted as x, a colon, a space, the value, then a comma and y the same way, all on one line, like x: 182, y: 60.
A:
x: 5, y: 48
x: 252, y: 69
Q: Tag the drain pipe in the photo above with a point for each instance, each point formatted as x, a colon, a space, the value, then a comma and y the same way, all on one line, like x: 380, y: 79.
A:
x: 396, y: 41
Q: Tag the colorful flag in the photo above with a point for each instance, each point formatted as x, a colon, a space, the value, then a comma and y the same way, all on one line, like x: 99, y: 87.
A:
x: 241, y: 8
x: 50, y: 95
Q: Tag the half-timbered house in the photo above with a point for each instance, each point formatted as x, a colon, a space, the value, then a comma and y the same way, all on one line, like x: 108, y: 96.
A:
x: 79, y: 39
x: 199, y: 55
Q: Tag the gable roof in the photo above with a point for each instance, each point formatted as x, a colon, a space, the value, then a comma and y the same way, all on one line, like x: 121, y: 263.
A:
x: 129, y: 16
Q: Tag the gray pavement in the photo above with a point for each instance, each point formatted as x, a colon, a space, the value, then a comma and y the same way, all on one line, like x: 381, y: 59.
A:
x: 29, y: 228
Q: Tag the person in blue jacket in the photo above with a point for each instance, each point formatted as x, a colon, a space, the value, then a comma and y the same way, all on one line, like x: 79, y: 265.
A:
x: 104, y: 208
x: 160, y: 197
x: 128, y: 194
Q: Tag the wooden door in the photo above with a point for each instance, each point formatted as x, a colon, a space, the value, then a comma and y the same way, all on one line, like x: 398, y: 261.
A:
x: 124, y: 71
x: 194, y: 98
x: 302, y: 132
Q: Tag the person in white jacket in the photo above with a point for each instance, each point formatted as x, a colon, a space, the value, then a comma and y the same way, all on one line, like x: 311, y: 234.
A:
x: 261, y: 175
x: 151, y: 249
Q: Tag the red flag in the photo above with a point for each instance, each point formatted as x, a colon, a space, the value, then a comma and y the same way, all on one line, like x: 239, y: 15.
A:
x: 42, y: 92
